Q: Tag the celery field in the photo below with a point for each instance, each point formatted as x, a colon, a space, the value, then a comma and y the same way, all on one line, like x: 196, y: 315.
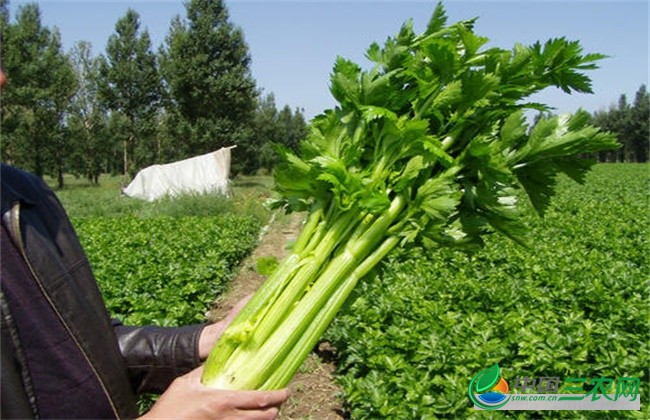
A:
x: 575, y: 304
x: 165, y: 262
x: 412, y: 336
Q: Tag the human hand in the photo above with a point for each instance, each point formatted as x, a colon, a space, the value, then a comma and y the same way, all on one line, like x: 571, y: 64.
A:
x: 212, y: 332
x: 188, y: 398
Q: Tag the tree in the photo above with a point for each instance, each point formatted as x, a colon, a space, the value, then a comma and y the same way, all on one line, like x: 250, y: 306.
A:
x: 621, y: 124
x: 266, y: 131
x: 602, y: 120
x: 630, y: 123
x: 271, y: 128
x: 4, y: 20
x: 131, y: 86
x: 205, y: 64
x: 87, y: 121
x: 37, y: 97
x: 293, y: 128
x: 640, y: 124
x: 62, y: 88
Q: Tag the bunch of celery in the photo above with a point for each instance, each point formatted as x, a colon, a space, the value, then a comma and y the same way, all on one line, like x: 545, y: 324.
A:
x: 430, y: 147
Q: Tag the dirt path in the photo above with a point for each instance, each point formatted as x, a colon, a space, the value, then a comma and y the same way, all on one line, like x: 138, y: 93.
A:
x: 313, y: 391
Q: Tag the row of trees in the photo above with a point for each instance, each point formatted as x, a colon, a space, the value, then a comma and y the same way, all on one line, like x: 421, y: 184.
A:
x: 131, y: 107
x: 631, y: 123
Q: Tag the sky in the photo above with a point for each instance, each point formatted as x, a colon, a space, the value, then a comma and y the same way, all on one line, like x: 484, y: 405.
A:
x: 293, y: 44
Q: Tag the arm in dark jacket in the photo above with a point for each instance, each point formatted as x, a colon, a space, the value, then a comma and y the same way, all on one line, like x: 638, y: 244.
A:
x: 155, y: 356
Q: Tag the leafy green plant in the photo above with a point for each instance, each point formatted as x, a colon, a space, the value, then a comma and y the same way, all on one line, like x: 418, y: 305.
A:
x: 428, y: 148
x: 165, y: 270
x: 266, y: 265
x: 413, y: 335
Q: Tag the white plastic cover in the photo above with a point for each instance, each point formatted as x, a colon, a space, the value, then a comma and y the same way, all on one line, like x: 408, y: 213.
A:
x: 201, y: 174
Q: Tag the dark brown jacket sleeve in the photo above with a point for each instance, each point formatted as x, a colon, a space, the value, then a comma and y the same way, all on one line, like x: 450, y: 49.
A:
x: 155, y: 356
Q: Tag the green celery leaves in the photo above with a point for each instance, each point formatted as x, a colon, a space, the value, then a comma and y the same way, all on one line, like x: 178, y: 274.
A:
x: 428, y: 147
x: 437, y: 103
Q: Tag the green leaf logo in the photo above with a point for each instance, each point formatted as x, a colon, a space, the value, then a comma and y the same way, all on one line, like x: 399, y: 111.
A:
x: 486, y: 380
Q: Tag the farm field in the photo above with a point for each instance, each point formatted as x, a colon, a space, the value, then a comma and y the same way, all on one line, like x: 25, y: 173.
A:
x: 164, y: 263
x: 414, y: 334
x: 82, y: 199
x: 573, y: 305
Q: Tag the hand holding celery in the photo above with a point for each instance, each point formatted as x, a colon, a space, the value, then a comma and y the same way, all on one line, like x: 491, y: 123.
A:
x: 429, y: 147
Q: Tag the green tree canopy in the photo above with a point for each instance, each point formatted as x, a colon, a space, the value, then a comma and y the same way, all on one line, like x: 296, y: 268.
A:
x: 631, y: 124
x: 37, y: 96
x: 87, y: 121
x: 131, y: 87
x: 640, y: 130
x: 205, y: 64
x: 272, y: 127
x: 62, y: 88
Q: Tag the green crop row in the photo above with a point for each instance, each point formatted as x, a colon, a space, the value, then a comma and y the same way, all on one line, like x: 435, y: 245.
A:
x: 165, y: 270
x: 573, y: 305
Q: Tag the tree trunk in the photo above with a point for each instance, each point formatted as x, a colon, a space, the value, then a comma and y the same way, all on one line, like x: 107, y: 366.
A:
x: 59, y: 177
x: 126, y: 165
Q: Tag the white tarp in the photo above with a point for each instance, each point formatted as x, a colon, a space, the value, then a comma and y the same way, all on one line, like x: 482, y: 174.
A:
x: 200, y: 174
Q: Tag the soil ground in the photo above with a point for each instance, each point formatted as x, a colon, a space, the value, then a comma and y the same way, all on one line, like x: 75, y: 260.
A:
x: 314, y: 395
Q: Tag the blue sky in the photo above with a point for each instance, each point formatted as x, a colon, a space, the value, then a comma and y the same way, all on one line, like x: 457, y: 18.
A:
x: 293, y: 44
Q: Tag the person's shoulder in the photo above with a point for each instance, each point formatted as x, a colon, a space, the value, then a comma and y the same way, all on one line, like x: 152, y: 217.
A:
x: 18, y: 184
x: 10, y: 172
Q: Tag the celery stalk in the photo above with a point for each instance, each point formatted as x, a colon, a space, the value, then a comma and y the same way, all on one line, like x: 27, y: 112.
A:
x: 429, y: 148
